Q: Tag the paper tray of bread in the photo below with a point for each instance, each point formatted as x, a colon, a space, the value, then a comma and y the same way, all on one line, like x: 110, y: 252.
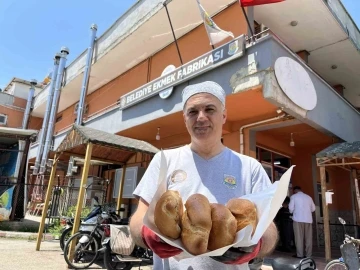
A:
x: 266, y: 204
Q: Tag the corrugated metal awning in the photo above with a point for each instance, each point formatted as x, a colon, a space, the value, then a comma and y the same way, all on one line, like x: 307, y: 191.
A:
x: 107, y: 146
x: 5, y: 131
x: 341, y: 150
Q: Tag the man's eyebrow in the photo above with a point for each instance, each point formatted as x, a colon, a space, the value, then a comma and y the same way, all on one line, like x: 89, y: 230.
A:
x: 189, y: 109
x: 195, y: 107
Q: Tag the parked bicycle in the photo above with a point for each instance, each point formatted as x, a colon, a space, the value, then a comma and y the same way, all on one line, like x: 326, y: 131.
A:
x: 350, y: 259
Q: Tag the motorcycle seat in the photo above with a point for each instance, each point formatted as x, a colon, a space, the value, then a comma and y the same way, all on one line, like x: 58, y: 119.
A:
x: 293, y: 264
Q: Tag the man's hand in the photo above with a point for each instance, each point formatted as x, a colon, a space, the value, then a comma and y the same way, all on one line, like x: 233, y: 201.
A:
x: 269, y: 241
x: 243, y: 255
x: 160, y: 248
x: 136, y: 223
x: 239, y: 255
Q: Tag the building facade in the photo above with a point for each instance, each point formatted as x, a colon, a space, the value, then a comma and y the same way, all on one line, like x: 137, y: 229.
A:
x: 292, y: 90
x: 16, y: 126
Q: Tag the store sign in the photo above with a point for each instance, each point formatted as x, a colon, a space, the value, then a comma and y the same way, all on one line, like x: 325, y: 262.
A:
x: 219, y: 56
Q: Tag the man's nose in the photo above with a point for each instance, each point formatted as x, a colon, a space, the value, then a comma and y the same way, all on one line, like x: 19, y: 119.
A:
x: 201, y: 116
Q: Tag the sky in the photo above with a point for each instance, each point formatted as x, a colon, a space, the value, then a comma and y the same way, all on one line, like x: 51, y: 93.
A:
x: 32, y: 31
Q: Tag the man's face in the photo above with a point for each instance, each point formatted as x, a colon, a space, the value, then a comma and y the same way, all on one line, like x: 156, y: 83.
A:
x: 204, y: 117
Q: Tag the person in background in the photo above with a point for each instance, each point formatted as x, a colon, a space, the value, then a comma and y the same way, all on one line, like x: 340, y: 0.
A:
x: 285, y: 225
x: 207, y: 167
x: 301, y: 206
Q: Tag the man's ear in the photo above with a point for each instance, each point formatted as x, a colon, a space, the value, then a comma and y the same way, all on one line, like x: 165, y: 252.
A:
x: 224, y: 116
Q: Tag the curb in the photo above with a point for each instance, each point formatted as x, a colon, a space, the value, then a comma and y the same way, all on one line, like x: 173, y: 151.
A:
x: 24, y: 235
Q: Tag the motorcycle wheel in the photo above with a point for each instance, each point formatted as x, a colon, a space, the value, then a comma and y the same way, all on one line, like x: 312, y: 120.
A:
x: 64, y: 237
x: 84, y: 254
x: 336, y: 265
x: 113, y: 265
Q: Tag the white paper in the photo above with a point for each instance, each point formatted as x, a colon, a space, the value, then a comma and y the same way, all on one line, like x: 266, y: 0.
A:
x: 268, y: 203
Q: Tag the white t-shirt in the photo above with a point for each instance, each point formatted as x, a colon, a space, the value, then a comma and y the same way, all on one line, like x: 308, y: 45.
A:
x: 302, y: 206
x: 221, y: 178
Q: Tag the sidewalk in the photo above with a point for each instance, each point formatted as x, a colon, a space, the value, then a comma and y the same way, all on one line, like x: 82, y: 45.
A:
x: 28, y: 223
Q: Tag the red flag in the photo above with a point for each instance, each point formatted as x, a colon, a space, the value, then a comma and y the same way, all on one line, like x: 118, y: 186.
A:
x: 248, y: 3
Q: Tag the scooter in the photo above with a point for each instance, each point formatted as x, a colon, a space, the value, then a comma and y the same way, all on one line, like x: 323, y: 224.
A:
x: 293, y: 264
x: 66, y: 233
x: 285, y: 263
x: 126, y: 257
x: 350, y: 258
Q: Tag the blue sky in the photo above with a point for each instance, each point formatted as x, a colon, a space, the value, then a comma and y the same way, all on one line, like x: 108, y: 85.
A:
x: 32, y: 31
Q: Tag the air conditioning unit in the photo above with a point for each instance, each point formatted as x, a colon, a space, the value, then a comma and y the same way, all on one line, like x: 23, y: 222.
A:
x: 77, y: 107
x: 86, y: 109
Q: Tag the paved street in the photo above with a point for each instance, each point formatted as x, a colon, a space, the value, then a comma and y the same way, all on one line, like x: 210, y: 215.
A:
x: 20, y: 254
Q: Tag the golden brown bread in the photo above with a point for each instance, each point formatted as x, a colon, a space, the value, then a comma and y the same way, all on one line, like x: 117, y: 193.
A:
x: 168, y: 213
x: 196, y: 224
x: 244, y: 211
x: 224, y: 225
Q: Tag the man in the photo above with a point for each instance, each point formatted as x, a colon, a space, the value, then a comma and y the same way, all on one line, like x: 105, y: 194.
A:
x: 302, y: 206
x: 205, y: 166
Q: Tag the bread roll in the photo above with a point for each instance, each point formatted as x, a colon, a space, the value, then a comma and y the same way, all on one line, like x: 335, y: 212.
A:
x: 168, y: 213
x: 224, y: 225
x: 196, y: 224
x: 244, y: 211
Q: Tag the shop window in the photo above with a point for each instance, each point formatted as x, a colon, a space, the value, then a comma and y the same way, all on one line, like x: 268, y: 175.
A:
x: 274, y: 163
x: 265, y: 155
x: 282, y: 161
x: 269, y: 170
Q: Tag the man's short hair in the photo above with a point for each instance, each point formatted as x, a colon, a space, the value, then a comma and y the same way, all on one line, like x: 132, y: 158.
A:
x: 287, y: 200
x: 209, y: 87
x: 297, y: 188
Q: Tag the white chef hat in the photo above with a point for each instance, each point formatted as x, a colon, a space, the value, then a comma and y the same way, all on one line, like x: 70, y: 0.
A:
x: 209, y: 87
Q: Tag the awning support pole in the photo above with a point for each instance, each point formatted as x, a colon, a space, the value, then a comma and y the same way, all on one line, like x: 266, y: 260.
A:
x: 80, y: 201
x: 46, y: 203
x: 325, y: 215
